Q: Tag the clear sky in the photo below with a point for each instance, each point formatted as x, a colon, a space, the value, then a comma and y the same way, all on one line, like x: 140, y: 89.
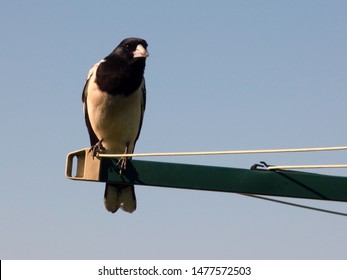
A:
x: 222, y: 75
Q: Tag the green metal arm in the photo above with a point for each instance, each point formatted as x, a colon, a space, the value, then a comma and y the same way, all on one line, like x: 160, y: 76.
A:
x: 199, y: 177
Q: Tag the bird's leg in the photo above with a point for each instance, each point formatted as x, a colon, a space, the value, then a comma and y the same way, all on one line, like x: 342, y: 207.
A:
x: 122, y: 162
x: 97, y: 148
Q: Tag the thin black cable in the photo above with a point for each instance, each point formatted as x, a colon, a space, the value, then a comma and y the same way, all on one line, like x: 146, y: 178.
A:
x: 295, y: 204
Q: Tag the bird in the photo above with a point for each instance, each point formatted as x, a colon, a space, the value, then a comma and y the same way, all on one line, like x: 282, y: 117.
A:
x: 114, y: 101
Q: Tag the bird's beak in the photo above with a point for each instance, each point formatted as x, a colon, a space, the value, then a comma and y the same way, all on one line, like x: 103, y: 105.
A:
x: 140, y: 51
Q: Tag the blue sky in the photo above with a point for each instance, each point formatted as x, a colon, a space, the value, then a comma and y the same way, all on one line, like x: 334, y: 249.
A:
x: 222, y: 75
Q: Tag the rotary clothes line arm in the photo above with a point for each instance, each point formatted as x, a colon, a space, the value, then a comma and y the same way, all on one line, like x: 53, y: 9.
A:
x: 199, y: 177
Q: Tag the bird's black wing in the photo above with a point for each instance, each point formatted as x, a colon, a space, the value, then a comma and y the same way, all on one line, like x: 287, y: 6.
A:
x: 143, y: 107
x: 93, y: 138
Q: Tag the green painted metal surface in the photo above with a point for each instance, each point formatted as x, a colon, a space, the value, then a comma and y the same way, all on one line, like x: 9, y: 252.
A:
x: 224, y: 179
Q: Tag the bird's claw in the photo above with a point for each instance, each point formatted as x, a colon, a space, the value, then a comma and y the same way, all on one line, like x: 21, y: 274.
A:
x: 122, y: 164
x: 97, y: 149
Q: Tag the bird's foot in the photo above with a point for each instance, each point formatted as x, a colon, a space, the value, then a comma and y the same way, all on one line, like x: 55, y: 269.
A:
x: 122, y: 164
x: 97, y: 149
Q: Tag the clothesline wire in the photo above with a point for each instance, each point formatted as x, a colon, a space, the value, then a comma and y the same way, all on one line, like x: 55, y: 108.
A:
x: 232, y: 152
x: 312, y: 166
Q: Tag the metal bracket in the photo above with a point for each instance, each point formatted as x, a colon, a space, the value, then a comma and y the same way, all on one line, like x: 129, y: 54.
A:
x: 87, y: 167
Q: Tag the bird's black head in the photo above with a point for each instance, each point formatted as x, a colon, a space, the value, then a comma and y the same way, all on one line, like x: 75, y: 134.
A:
x: 122, y: 71
x: 132, y: 48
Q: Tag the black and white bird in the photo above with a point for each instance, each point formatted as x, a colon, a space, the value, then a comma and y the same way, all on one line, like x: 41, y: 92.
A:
x: 114, y: 99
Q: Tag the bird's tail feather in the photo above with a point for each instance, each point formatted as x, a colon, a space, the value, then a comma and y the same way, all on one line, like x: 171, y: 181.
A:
x: 120, y: 196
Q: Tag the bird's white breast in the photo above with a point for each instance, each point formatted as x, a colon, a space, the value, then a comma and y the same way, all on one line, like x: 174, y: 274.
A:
x: 114, y: 118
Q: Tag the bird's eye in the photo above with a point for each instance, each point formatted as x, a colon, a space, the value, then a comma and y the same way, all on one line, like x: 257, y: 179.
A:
x: 127, y: 47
